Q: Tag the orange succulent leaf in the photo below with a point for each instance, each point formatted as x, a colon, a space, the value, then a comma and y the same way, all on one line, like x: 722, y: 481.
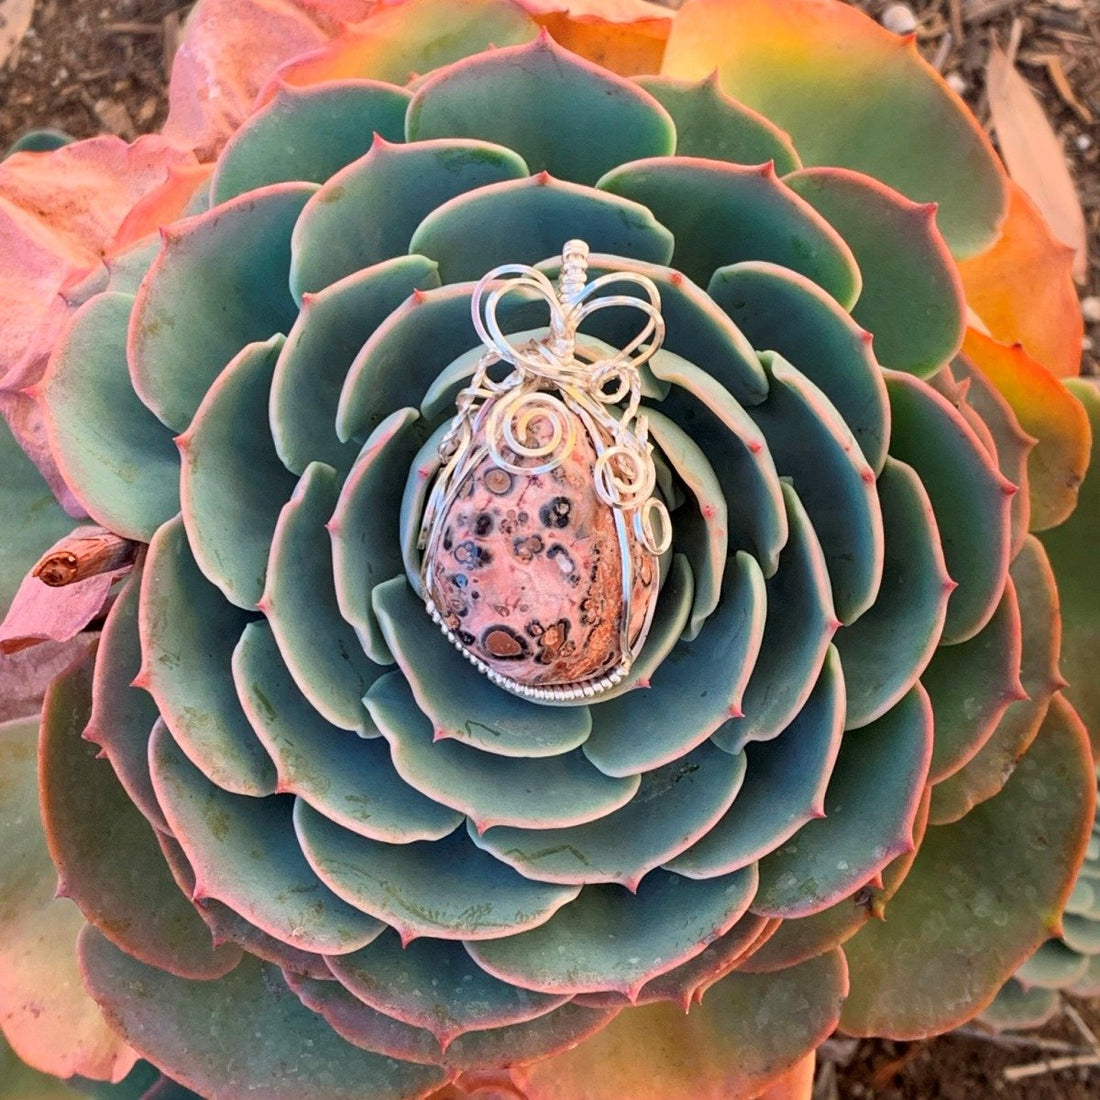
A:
x: 853, y: 95
x: 164, y: 204
x: 796, y: 1084
x: 59, y: 213
x: 626, y: 36
x: 229, y: 50
x: 1022, y: 288
x: 399, y: 42
x: 1046, y: 410
x: 1072, y: 552
x: 51, y: 1023
x: 750, y: 1032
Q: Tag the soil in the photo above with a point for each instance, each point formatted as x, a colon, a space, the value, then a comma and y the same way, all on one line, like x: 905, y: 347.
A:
x: 89, y: 66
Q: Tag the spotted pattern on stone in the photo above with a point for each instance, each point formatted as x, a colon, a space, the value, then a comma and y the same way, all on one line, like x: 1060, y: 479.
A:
x: 528, y: 573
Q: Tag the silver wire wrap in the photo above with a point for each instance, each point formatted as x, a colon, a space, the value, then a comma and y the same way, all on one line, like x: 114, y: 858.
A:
x: 559, y: 385
x: 554, y: 378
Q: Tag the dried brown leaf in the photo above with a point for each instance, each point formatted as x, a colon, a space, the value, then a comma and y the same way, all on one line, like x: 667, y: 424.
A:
x: 1033, y: 154
x: 15, y: 20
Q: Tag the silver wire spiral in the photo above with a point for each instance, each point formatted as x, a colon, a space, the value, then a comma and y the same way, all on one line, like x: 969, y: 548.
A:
x: 529, y: 421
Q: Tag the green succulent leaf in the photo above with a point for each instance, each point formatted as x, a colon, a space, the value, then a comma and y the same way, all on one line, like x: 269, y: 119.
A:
x: 331, y: 328
x: 240, y: 1034
x: 984, y: 774
x: 308, y: 134
x: 826, y: 345
x: 1017, y: 1008
x: 970, y: 499
x: 983, y: 403
x: 319, y: 646
x: 1069, y: 548
x: 658, y: 1050
x: 434, y: 984
x: 706, y: 410
x: 902, y: 258
x: 811, y: 445
x: 367, y: 212
x: 799, y: 626
x: 346, y: 777
x: 458, y: 702
x: 366, y: 549
x: 850, y: 94
x: 228, y: 263
x: 188, y: 632
x: 447, y: 888
x: 563, y: 115
x: 122, y: 716
x: 42, y: 520
x: 527, y: 220
x: 871, y: 808
x: 668, y: 921
x: 784, y: 785
x: 244, y: 854
x: 529, y: 792
x: 695, y: 689
x: 232, y: 481
x: 936, y: 961
x: 117, y: 457
x: 713, y: 125
x: 115, y: 873
x: 889, y: 646
x: 722, y: 214
x: 675, y: 805
x: 972, y: 684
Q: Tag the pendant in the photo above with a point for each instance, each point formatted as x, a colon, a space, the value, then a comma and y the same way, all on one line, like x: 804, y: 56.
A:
x: 543, y: 533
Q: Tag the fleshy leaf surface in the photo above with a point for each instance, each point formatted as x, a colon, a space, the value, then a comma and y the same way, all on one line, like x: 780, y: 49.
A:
x: 348, y: 778
x: 232, y: 483
x: 308, y: 134
x: 318, y: 645
x: 803, y: 65
x: 936, y: 944
x: 228, y: 263
x: 902, y: 258
x: 871, y: 807
x: 447, y: 888
x: 529, y: 792
x: 46, y: 1016
x: 712, y: 124
x: 670, y: 920
x: 114, y: 872
x: 1022, y: 288
x: 239, y: 1035
x: 1046, y: 410
x: 368, y: 211
x: 1071, y: 549
x: 657, y: 1050
x: 434, y: 984
x: 563, y: 115
x: 244, y: 854
x: 722, y: 214
x: 187, y: 637
x: 398, y: 43
x: 117, y: 457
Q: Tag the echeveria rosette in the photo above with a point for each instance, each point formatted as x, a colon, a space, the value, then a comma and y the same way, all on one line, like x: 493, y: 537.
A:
x: 853, y: 616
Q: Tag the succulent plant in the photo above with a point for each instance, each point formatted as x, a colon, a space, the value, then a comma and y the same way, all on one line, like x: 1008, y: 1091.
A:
x: 1066, y: 963
x: 325, y: 856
